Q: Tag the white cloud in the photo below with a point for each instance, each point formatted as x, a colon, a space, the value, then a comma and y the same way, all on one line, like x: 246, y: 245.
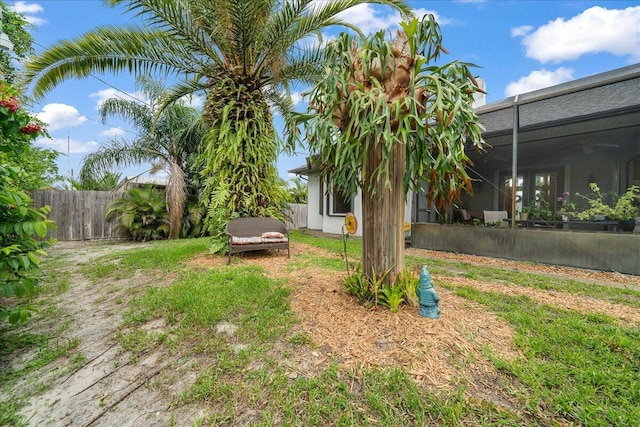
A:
x: 60, y: 116
x: 114, y: 132
x: 71, y: 146
x: 539, y: 79
x: 368, y: 19
x: 419, y: 13
x: 195, y: 101
x: 28, y: 10
x: 371, y: 19
x: 596, y: 30
x: 297, y: 98
x: 521, y: 31
x: 24, y: 7
x: 105, y: 94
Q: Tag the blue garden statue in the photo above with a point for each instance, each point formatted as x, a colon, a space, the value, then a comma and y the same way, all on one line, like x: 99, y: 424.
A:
x: 427, y: 295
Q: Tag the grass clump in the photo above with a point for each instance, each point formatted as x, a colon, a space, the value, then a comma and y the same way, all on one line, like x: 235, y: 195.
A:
x: 583, y: 368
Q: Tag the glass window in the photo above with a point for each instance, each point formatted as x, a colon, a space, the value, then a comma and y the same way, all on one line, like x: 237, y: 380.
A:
x: 508, y: 188
x: 546, y: 190
x: 537, y: 189
x: 321, y: 202
x: 634, y: 172
x: 339, y: 204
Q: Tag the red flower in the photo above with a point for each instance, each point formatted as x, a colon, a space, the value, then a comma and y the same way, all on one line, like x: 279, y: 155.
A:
x: 31, y: 128
x: 12, y: 103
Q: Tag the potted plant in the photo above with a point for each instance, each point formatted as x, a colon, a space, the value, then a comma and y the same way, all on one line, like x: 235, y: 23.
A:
x: 566, y: 208
x: 626, y: 209
x: 623, y: 209
x: 538, y: 210
x: 524, y: 214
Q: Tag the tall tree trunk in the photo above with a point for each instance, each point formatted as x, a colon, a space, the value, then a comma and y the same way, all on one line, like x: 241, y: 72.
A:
x: 383, y: 216
x: 176, y: 197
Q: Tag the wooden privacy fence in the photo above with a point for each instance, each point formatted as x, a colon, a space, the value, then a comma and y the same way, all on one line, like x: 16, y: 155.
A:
x: 296, y: 216
x: 79, y: 215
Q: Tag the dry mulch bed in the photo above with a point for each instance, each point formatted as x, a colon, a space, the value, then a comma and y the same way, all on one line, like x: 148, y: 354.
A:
x: 437, y: 352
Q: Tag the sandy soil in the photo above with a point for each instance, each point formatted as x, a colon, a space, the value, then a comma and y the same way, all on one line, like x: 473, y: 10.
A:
x: 115, y: 388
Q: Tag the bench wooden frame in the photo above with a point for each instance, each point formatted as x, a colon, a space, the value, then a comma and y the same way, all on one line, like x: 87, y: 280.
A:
x: 254, y: 228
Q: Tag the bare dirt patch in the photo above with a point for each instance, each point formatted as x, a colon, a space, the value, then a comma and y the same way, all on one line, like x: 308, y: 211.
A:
x: 111, y: 387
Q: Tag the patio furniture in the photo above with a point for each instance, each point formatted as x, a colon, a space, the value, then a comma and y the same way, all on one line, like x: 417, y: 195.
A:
x: 256, y: 234
x: 491, y: 217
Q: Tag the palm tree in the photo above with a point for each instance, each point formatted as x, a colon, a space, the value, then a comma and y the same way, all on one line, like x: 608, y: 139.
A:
x: 166, y: 139
x: 243, y: 53
x: 106, y: 181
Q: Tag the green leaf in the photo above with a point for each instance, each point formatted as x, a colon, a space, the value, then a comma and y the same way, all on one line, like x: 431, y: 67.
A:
x: 13, y: 263
x: 14, y: 317
x: 40, y: 228
x: 27, y: 227
x: 33, y: 258
x: 24, y: 260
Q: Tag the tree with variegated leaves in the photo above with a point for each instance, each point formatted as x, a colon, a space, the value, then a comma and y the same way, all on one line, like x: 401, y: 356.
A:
x: 386, y: 116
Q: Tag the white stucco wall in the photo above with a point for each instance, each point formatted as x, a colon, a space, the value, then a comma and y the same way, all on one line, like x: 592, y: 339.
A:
x: 314, y: 219
x: 332, y: 224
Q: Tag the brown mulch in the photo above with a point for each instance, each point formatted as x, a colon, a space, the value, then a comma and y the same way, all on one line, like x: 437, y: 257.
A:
x: 437, y: 352
x: 589, y: 276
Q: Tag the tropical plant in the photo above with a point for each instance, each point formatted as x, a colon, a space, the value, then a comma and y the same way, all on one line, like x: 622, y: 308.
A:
x: 105, y: 181
x: 167, y: 138
x: 22, y: 228
x: 141, y: 214
x: 628, y: 205
x: 619, y: 208
x: 298, y: 191
x: 408, y: 281
x: 18, y: 130
x: 391, y: 296
x: 22, y: 232
x: 244, y: 54
x: 538, y: 209
x: 384, y: 117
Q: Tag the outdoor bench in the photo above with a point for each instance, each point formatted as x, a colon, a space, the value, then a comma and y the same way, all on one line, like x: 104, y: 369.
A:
x: 256, y: 234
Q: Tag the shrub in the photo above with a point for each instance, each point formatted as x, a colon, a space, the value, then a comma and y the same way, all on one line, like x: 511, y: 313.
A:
x: 22, y: 229
x: 373, y: 292
x: 141, y: 214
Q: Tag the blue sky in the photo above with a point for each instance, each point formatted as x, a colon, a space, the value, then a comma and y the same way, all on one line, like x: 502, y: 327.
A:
x: 519, y: 46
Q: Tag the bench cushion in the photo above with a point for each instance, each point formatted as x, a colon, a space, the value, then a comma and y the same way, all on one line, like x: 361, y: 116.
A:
x: 256, y: 240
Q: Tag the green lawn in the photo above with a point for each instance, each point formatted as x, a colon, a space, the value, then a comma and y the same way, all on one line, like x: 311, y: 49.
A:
x: 577, y: 369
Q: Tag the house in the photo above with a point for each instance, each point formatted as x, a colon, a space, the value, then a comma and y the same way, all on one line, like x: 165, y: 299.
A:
x: 558, y: 140
x: 139, y: 181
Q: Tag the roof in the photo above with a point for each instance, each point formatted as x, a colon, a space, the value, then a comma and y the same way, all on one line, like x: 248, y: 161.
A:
x: 300, y: 170
x: 604, y: 101
x: 139, y: 180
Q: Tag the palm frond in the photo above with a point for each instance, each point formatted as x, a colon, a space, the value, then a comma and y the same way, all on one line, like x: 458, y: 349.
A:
x: 109, y: 50
x: 117, y: 153
x: 139, y: 115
